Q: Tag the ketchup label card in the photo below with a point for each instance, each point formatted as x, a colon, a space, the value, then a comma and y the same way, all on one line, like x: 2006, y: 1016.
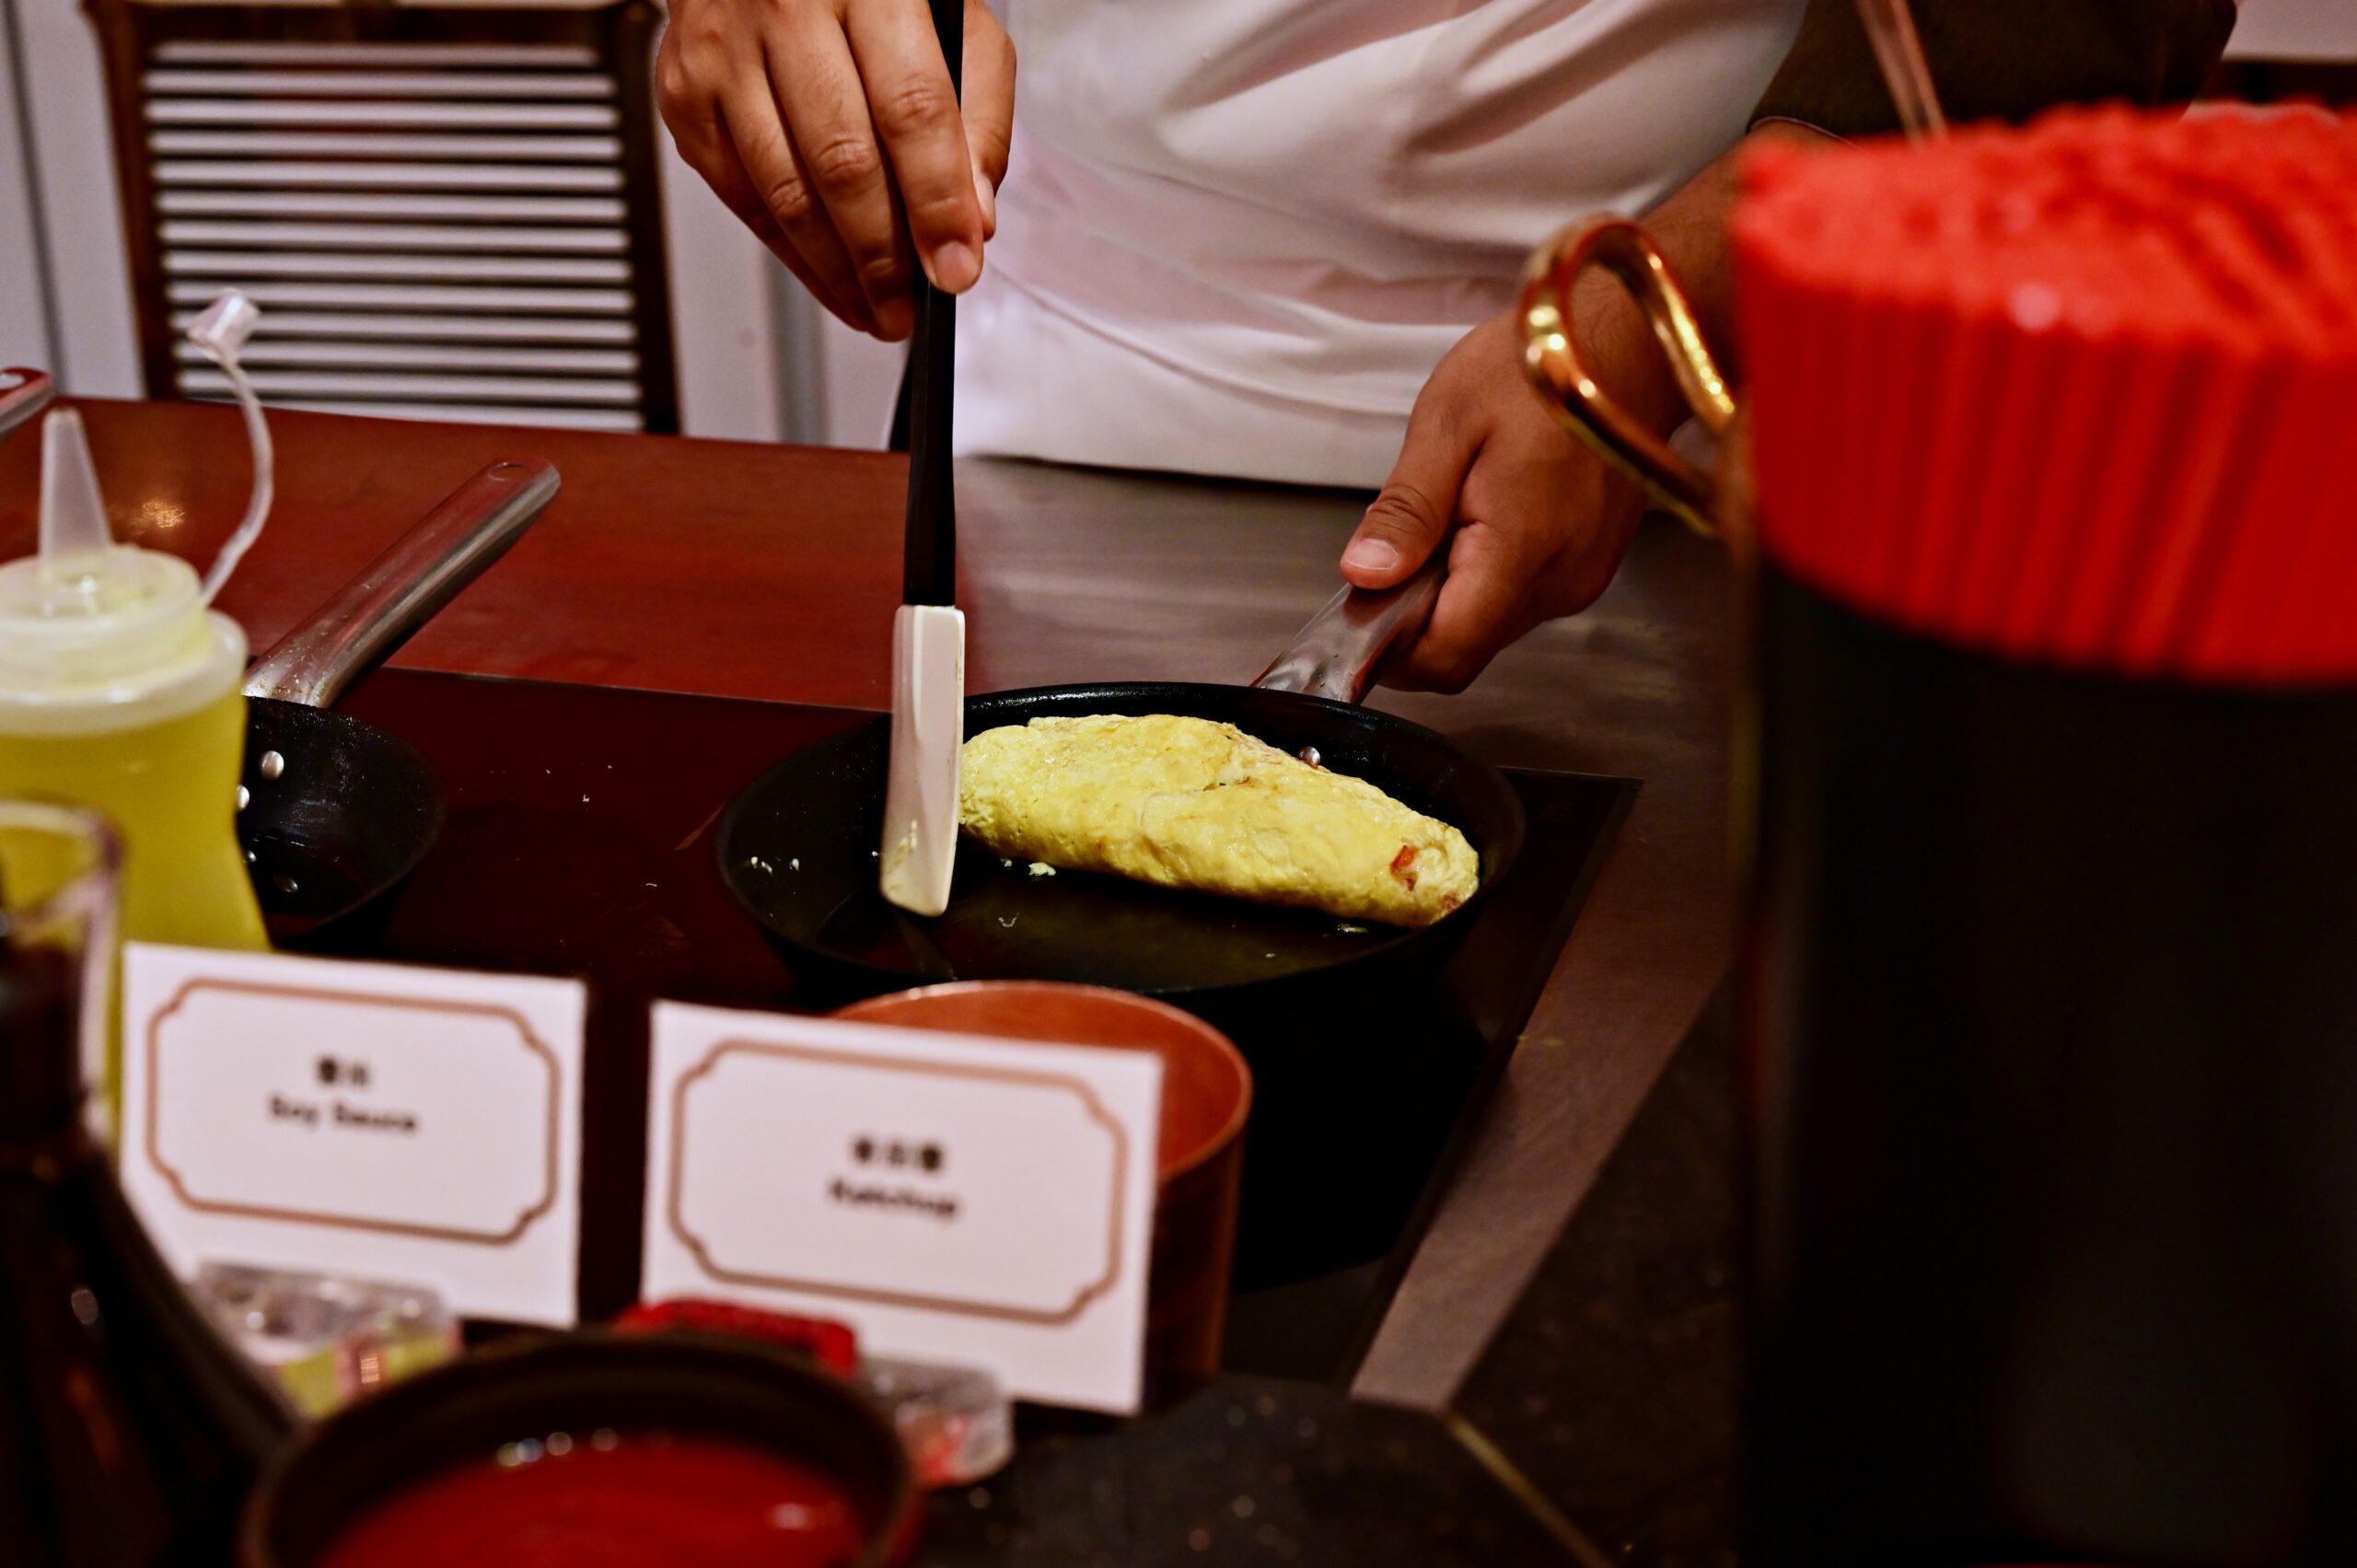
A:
x: 958, y: 1200
x: 368, y: 1120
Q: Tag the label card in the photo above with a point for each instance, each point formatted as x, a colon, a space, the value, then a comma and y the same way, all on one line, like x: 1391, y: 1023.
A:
x: 971, y: 1201
x: 374, y: 1121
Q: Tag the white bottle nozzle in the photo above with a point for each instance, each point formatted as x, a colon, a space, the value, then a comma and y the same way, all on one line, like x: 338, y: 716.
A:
x: 97, y: 637
x: 75, y: 535
x: 220, y: 331
x: 225, y: 325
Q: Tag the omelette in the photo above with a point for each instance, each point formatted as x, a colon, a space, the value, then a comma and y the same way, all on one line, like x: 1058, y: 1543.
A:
x: 1192, y: 802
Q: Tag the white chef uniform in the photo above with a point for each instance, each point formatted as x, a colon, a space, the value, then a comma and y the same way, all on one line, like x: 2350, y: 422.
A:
x: 1237, y: 235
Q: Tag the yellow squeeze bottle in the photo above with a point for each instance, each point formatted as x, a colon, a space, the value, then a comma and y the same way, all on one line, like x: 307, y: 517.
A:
x: 118, y: 691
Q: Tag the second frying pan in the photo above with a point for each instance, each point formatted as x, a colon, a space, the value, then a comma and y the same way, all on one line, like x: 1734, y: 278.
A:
x: 333, y: 811
x: 798, y: 847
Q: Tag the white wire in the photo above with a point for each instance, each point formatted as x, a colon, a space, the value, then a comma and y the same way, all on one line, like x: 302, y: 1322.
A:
x: 265, y: 477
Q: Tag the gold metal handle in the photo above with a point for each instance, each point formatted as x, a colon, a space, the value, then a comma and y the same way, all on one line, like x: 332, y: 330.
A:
x: 1551, y: 355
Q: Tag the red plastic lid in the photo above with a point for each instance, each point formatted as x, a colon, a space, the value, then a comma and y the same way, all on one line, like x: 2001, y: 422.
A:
x: 831, y: 1345
x: 2083, y: 394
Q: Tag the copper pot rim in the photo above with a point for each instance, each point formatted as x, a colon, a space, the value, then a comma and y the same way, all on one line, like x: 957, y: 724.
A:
x: 1230, y: 1131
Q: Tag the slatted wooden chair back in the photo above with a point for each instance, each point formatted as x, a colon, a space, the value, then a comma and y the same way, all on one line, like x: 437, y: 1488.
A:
x: 445, y: 211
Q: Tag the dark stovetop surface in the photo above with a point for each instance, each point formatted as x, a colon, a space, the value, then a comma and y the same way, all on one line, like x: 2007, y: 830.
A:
x: 1598, y: 1427
x: 1612, y: 1384
x: 1248, y: 1471
x: 579, y: 841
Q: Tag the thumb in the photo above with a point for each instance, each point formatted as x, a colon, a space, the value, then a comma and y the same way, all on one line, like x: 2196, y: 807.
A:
x: 1411, y: 515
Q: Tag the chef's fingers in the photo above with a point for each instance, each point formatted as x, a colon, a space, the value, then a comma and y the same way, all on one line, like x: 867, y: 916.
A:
x: 915, y: 112
x: 989, y: 107
x: 836, y: 289
x: 836, y: 159
x: 1543, y: 529
x: 699, y: 128
x: 1493, y: 560
x: 1418, y: 502
x: 811, y: 251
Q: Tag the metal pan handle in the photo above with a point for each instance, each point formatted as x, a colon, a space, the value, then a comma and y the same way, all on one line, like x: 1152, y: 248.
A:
x: 23, y: 393
x: 1551, y: 355
x: 1342, y: 651
x: 400, y: 591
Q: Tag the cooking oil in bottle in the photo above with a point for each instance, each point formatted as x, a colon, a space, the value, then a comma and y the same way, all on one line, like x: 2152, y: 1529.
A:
x: 161, y: 782
x: 118, y: 691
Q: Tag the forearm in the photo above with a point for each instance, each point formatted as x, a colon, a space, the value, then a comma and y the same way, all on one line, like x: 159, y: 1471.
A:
x: 1692, y: 228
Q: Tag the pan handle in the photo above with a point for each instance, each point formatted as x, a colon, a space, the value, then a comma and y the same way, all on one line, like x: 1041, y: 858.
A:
x: 23, y: 393
x: 1343, y: 650
x: 400, y: 591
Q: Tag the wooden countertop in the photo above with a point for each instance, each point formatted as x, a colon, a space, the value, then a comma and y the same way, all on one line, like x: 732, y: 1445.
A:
x: 770, y: 572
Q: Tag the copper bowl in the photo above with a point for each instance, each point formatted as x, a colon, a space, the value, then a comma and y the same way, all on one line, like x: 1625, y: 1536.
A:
x: 1206, y: 1095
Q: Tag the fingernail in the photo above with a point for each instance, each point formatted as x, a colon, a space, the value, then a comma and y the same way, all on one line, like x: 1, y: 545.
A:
x: 954, y: 267
x: 989, y: 195
x: 895, y: 319
x: 1372, y: 555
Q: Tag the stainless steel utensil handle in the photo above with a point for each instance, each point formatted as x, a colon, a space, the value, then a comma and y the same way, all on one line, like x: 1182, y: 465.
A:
x: 23, y: 393
x: 400, y: 591
x: 1343, y: 650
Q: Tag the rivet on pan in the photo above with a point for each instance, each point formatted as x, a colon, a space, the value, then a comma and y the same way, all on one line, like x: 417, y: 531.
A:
x: 273, y: 764
x: 245, y: 798
x: 285, y: 883
x: 1307, y: 754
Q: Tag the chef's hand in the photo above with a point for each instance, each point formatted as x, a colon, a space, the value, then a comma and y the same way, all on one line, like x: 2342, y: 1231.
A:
x: 1541, y: 523
x: 830, y: 129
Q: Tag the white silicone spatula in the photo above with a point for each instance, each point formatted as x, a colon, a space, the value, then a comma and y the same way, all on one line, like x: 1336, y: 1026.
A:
x: 920, y: 843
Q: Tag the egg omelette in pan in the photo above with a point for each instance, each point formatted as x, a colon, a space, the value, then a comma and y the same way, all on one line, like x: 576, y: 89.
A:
x: 1198, y: 804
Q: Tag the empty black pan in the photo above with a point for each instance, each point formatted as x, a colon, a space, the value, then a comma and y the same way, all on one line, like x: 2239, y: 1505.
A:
x: 333, y: 812
x: 798, y: 847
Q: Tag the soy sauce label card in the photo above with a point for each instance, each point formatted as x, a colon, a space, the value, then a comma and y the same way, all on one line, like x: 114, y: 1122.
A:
x: 973, y: 1201
x: 372, y: 1120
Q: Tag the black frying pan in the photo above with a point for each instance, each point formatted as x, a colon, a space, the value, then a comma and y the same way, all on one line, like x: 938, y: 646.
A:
x: 333, y: 811
x: 798, y: 847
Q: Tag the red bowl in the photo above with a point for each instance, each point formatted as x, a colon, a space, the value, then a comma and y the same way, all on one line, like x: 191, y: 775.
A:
x: 742, y: 1393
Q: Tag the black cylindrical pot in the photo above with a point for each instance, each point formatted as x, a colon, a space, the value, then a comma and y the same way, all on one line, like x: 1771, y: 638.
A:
x: 689, y: 1383
x: 2053, y: 1052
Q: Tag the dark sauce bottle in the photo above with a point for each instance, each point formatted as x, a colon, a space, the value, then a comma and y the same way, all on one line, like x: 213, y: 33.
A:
x: 2053, y: 1043
x: 129, y: 1430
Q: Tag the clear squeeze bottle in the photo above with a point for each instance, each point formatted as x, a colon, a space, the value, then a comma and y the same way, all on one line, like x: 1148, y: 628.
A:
x: 118, y: 689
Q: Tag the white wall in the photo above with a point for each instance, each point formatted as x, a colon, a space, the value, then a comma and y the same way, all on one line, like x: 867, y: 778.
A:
x: 721, y: 313
x: 24, y: 322
x: 2295, y: 30
x: 73, y: 160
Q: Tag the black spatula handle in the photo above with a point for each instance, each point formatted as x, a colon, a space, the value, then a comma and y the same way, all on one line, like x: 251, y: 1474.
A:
x: 929, y: 568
